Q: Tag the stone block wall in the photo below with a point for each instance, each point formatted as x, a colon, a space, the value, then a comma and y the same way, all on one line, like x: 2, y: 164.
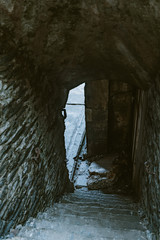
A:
x: 32, y: 155
x: 109, y: 116
x: 96, y: 102
x: 121, y: 104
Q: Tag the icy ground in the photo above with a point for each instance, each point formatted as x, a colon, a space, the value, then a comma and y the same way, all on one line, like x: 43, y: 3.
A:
x: 86, y: 215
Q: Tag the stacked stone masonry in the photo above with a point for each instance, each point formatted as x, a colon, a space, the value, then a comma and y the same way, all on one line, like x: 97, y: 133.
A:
x: 96, y: 110
x: 109, y: 116
x: 32, y: 156
x: 121, y: 102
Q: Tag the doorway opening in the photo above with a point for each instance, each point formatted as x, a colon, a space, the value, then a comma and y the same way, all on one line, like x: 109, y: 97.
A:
x: 98, y: 135
x: 75, y: 126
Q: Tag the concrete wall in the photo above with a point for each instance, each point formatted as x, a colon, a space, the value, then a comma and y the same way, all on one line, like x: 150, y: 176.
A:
x: 32, y: 155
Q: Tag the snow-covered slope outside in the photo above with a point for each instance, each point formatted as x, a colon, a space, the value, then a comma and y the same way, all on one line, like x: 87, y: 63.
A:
x: 75, y: 123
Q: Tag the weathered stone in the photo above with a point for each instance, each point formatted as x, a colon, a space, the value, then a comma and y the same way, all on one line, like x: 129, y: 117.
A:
x: 96, y: 169
x: 146, y: 154
x: 96, y: 182
x: 96, y: 111
x: 120, y: 122
x: 49, y: 47
x: 30, y: 177
x: 78, y: 41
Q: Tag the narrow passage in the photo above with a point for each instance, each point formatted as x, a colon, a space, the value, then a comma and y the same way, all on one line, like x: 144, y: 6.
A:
x: 84, y: 214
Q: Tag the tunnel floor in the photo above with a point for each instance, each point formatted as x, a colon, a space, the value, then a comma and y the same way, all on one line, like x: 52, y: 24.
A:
x: 86, y: 215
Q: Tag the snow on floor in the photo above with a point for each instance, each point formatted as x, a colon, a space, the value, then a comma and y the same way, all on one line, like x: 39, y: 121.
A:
x: 75, y: 124
x: 85, y: 215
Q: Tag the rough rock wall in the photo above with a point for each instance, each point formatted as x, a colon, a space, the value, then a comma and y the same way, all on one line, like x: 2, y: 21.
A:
x: 138, y: 136
x: 84, y: 40
x: 32, y: 155
x: 151, y: 156
x: 146, y: 154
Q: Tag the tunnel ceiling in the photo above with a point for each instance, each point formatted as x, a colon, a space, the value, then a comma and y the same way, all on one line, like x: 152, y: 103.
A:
x: 73, y: 41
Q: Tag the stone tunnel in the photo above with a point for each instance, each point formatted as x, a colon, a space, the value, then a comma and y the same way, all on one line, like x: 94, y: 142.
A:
x: 46, y: 49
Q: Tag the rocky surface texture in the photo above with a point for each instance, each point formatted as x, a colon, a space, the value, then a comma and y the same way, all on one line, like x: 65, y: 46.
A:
x: 75, y: 41
x: 146, y: 165
x: 151, y: 154
x: 111, y: 173
x: 52, y: 46
x: 32, y: 167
